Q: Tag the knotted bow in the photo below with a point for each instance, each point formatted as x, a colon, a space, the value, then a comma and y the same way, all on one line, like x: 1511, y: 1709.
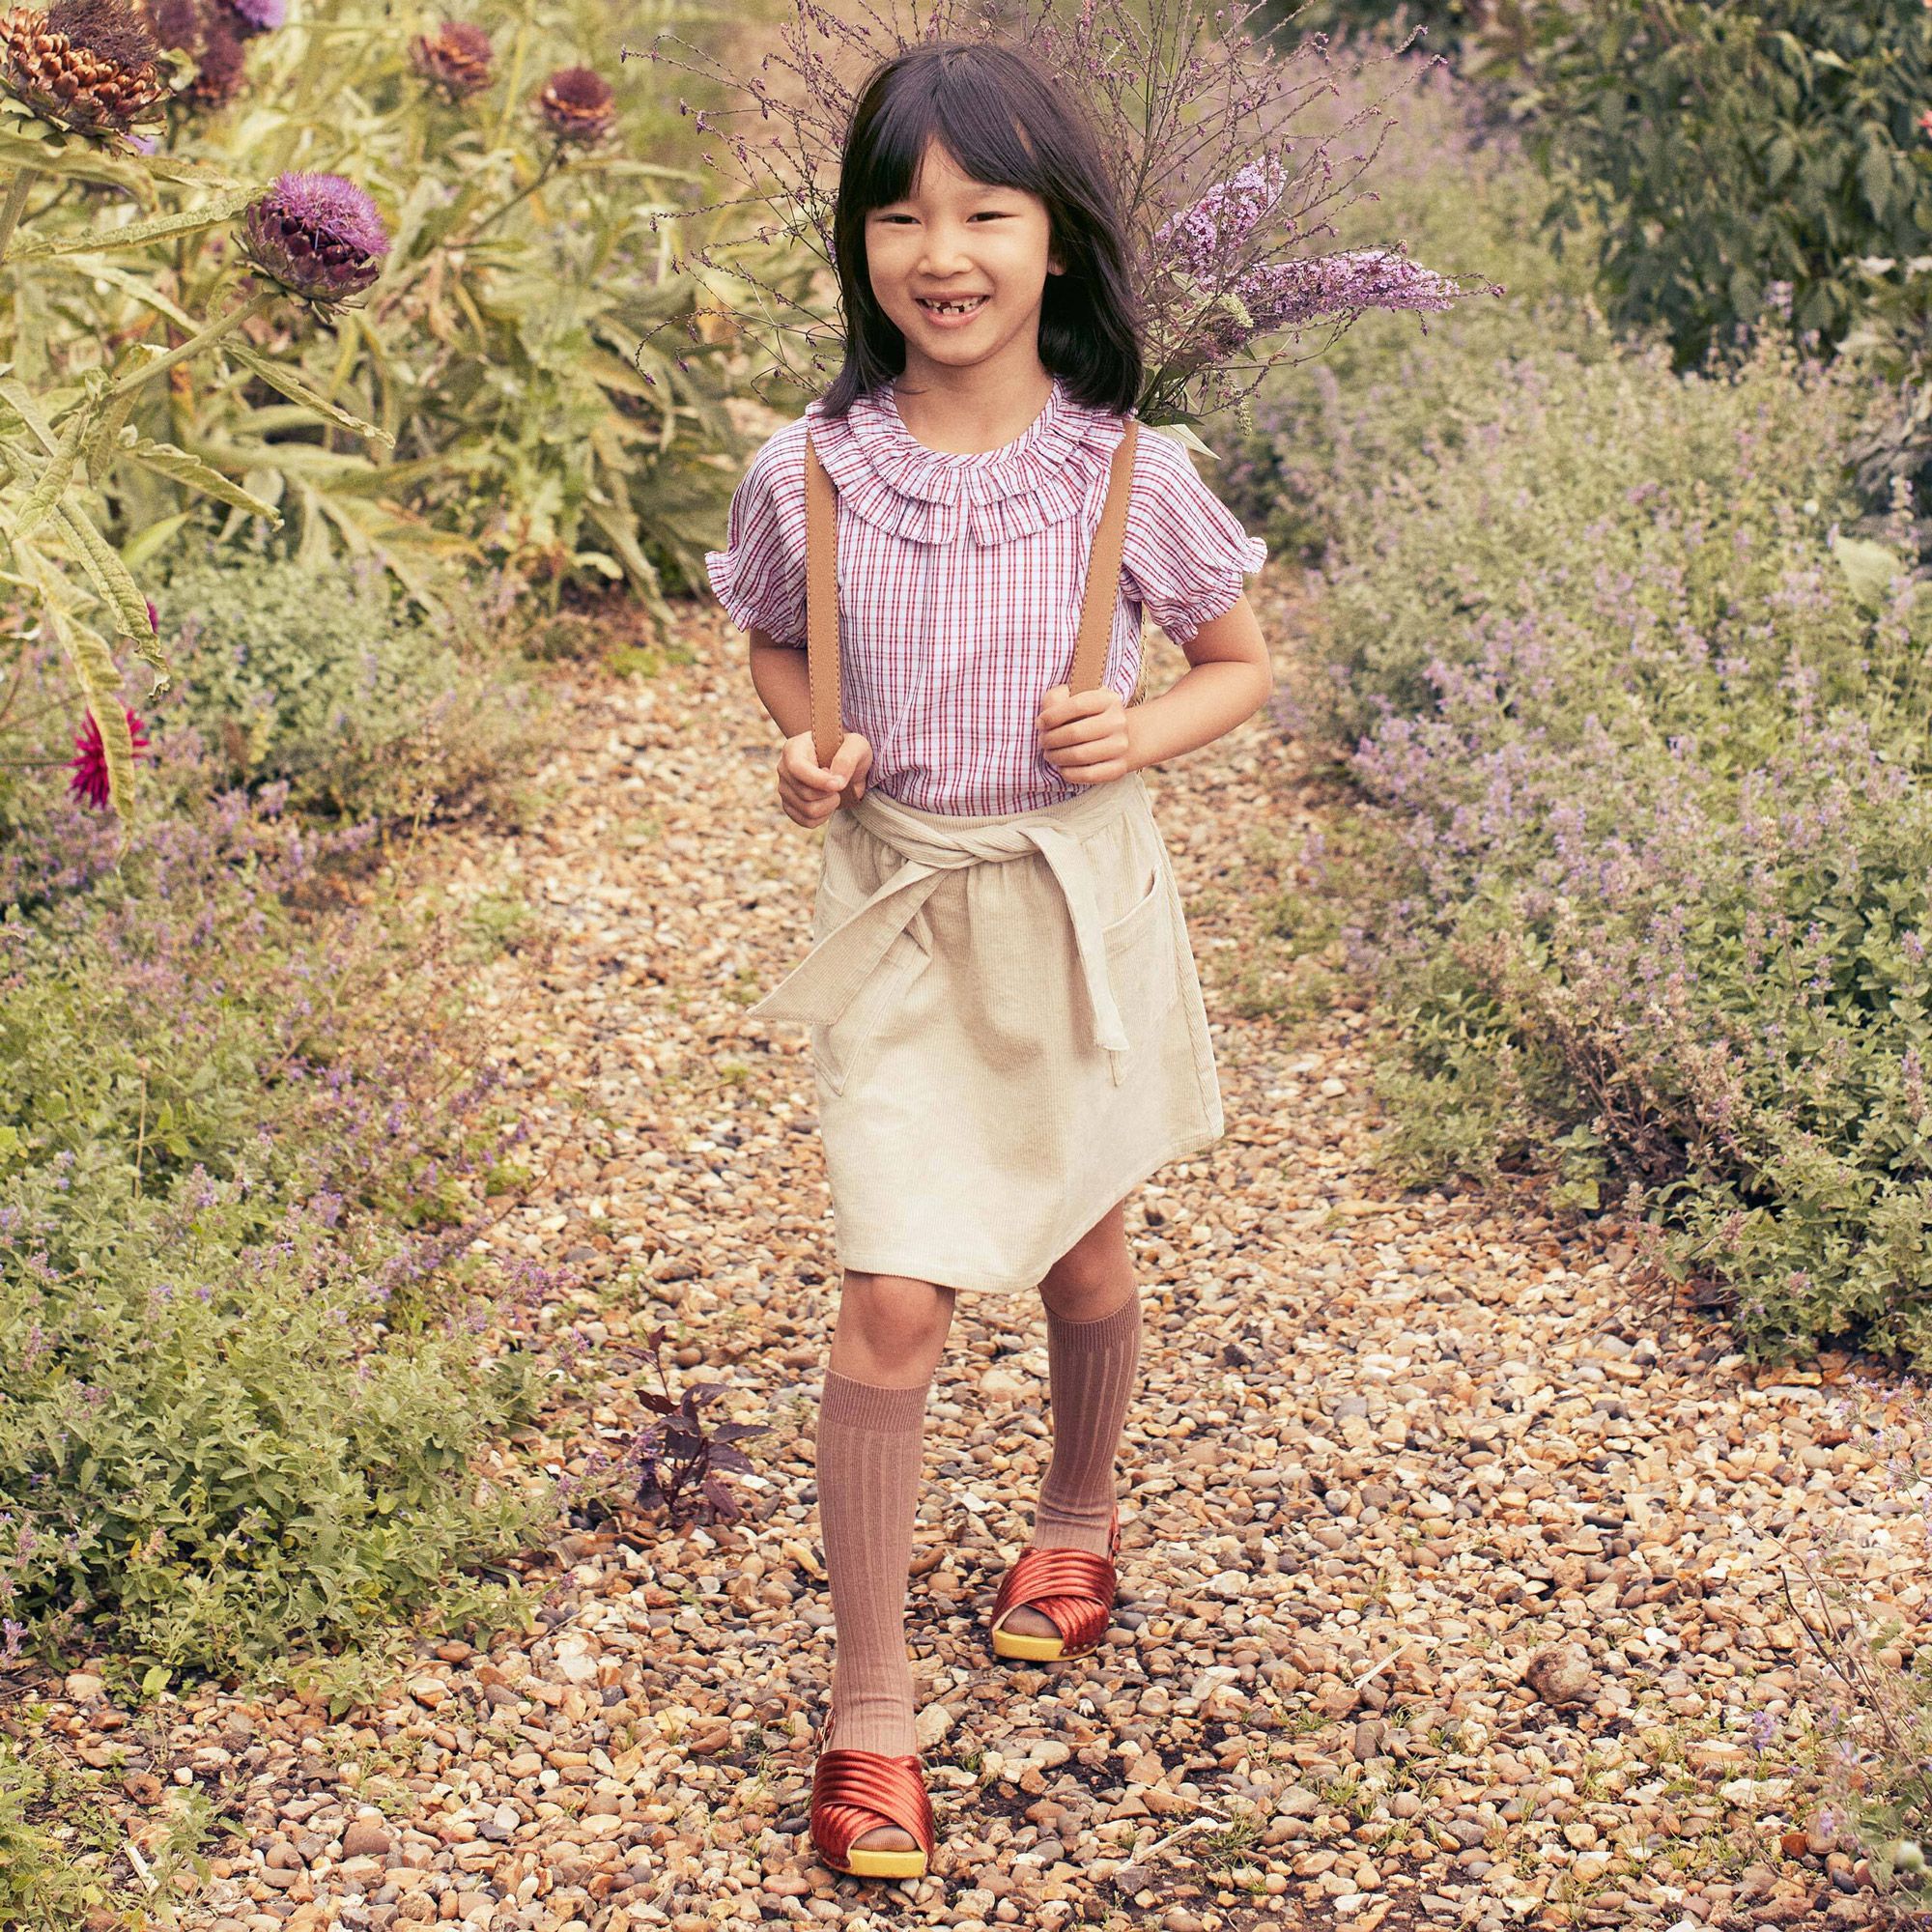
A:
x: 819, y: 989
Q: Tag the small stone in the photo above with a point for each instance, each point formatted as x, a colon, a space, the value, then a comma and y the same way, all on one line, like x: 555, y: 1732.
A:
x: 365, y: 1841
x: 934, y: 1724
x: 575, y: 1659
x: 82, y: 1685
x: 1560, y: 1674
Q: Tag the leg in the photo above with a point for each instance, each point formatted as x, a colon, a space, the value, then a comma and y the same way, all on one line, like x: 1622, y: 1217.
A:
x: 888, y: 1340
x: 1092, y: 1340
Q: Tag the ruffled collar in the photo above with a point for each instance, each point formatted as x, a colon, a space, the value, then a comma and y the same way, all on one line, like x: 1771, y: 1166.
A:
x: 887, y: 477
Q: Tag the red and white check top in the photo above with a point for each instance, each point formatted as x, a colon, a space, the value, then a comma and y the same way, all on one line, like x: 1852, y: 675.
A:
x: 960, y: 582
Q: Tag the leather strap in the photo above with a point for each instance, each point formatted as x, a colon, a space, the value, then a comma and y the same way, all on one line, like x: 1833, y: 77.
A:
x: 1103, y: 569
x: 1099, y: 601
x: 821, y: 610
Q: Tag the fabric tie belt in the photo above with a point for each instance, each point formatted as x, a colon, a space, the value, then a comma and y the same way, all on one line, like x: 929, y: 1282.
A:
x: 819, y: 989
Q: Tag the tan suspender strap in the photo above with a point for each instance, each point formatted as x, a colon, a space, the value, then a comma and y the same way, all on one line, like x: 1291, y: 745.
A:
x: 821, y: 609
x: 1103, y: 570
x: 1097, y: 605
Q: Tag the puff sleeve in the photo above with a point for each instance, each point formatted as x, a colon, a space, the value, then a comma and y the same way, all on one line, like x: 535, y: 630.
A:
x: 759, y: 575
x: 1185, y: 552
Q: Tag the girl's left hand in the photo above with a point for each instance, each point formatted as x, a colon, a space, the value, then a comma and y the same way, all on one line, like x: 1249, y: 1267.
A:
x: 1084, y: 734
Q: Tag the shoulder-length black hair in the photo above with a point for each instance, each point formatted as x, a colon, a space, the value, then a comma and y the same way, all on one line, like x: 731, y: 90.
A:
x: 1004, y: 122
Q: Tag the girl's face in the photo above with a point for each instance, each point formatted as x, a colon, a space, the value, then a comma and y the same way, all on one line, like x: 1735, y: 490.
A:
x: 954, y: 239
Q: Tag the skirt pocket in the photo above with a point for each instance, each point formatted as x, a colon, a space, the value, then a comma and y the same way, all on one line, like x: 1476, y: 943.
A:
x: 838, y: 1047
x: 1141, y: 964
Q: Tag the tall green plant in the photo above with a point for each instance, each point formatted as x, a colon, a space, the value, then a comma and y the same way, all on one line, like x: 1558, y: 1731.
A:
x: 1731, y: 149
x: 78, y: 79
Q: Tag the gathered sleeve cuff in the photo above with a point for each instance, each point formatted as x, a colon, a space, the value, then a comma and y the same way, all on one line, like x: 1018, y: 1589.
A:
x: 1185, y: 552
x: 759, y: 575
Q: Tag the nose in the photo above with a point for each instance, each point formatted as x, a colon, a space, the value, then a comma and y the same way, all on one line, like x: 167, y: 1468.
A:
x: 944, y: 249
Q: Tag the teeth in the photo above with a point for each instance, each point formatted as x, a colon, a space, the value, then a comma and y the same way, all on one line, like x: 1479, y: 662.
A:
x: 955, y: 308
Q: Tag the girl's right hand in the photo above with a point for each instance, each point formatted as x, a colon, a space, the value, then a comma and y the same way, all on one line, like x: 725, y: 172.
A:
x: 809, y: 791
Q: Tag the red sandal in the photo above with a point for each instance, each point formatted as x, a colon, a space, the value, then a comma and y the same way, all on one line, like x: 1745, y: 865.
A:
x: 854, y: 1792
x: 1073, y: 1589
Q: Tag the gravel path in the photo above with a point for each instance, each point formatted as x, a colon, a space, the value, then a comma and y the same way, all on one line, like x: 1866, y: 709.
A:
x: 1449, y: 1545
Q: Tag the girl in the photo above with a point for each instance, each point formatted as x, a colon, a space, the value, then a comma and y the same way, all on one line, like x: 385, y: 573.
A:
x: 1007, y: 1024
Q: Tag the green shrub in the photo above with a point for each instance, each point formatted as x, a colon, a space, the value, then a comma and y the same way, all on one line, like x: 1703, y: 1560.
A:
x: 246, y: 1361
x: 326, y: 678
x: 1729, y: 149
x: 1655, y: 738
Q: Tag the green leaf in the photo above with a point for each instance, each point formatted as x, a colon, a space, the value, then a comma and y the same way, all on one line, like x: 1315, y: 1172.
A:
x: 181, y: 467
x: 184, y: 221
x: 52, y: 483
x: 22, y: 402
x: 1186, y: 437
x: 1870, y: 568
x: 72, y: 160
x: 118, y: 591
x: 150, y: 542
x: 297, y: 390
x: 99, y: 678
x: 1824, y: 57
x: 154, y: 1680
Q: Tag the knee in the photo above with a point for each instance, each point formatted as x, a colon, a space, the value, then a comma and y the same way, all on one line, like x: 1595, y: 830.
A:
x: 1090, y: 1280
x: 891, y: 1328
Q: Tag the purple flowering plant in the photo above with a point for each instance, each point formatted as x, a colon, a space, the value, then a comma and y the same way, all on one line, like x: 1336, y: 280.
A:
x: 1225, y: 203
x: 252, y: 1362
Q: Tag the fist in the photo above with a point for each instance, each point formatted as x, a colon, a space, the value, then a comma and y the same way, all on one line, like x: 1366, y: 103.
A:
x: 1083, y: 735
x: 809, y: 791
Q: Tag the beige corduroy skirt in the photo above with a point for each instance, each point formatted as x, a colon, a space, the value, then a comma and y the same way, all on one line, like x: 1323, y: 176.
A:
x: 1007, y: 1026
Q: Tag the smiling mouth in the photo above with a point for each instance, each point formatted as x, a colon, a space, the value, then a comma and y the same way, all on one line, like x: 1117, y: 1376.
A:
x: 964, y: 305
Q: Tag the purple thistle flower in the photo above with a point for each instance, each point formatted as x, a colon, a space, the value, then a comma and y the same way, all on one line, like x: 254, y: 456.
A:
x: 318, y: 235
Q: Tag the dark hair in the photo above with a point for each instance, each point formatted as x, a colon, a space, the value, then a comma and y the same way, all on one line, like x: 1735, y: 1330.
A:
x: 1004, y: 122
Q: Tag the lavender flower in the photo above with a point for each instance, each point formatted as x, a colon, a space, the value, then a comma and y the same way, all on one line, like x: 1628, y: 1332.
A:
x: 318, y: 235
x: 255, y: 16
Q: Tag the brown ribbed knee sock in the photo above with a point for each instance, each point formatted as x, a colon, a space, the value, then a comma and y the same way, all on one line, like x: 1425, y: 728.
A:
x: 869, y: 1439
x: 1092, y: 1370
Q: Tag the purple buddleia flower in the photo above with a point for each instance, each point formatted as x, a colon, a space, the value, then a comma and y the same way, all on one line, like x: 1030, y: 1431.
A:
x: 1212, y: 229
x: 318, y: 235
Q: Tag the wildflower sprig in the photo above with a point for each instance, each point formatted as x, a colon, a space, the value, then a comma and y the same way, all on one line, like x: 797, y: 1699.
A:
x: 1223, y: 209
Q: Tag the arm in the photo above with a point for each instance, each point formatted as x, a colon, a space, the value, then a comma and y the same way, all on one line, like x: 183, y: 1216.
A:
x: 778, y: 675
x: 1228, y: 680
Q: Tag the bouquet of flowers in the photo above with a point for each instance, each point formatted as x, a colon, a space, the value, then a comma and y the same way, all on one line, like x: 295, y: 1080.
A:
x: 1223, y: 199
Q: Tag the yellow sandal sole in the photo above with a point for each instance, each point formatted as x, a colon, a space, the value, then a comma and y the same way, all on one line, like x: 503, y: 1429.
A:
x: 884, y: 1865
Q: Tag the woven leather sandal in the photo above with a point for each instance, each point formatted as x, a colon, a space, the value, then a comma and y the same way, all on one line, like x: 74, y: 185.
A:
x: 1073, y: 1589
x: 854, y: 1792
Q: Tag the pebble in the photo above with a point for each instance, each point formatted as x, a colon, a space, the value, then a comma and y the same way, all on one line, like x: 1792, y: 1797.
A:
x: 1383, y: 1467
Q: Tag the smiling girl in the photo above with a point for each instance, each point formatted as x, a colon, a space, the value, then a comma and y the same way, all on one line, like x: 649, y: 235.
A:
x: 1006, y: 1023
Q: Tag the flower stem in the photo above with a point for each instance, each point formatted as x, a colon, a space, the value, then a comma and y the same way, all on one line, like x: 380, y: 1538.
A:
x: 257, y: 305
x: 522, y: 194
x: 17, y: 200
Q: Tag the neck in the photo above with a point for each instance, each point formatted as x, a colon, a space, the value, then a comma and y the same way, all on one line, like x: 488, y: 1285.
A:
x: 968, y: 411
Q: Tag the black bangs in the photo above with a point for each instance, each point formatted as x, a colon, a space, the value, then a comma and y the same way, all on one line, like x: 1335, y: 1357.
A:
x: 1005, y: 123
x: 970, y: 115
